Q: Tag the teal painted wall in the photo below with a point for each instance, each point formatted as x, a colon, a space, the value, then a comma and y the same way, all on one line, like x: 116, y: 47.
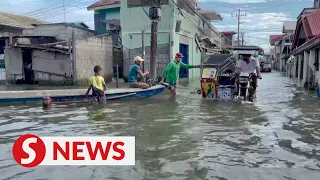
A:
x: 105, y: 14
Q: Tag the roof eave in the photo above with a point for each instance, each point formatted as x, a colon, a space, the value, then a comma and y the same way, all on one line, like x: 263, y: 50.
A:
x: 307, y: 45
x: 16, y: 26
x: 103, y: 7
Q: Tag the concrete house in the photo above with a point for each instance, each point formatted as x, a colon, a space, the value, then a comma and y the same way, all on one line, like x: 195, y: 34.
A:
x: 107, y: 19
x: 306, y: 46
x: 59, y: 53
x: 12, y: 25
x: 107, y: 22
x: 209, y: 38
x: 179, y: 28
x: 276, y: 46
x: 285, y: 44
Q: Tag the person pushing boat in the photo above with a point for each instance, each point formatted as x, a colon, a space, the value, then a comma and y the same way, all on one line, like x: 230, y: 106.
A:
x: 134, y: 71
x: 171, y: 72
x: 97, y: 85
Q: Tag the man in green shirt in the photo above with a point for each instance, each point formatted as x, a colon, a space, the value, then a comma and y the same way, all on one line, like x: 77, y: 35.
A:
x: 171, y: 72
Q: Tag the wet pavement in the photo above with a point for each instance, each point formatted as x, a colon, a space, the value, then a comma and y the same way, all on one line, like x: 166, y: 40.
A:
x: 276, y: 138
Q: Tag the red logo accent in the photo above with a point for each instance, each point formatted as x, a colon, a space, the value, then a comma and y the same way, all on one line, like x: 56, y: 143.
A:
x: 29, y: 150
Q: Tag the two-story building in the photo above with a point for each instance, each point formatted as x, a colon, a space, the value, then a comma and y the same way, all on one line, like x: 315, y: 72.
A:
x: 304, y: 62
x: 276, y: 49
x: 107, y: 19
x: 306, y: 46
x: 179, y: 29
x: 285, y: 44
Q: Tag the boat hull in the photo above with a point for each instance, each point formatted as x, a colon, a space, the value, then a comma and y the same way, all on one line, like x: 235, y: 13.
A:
x: 77, y: 95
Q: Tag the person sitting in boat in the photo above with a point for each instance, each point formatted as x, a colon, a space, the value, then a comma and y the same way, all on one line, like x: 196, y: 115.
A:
x: 98, y: 85
x: 134, y: 71
x: 249, y: 65
x: 171, y: 72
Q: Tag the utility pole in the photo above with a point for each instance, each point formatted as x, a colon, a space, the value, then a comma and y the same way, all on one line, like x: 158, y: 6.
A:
x: 242, y: 38
x: 154, y: 15
x: 143, y: 48
x: 239, y: 15
x: 143, y: 51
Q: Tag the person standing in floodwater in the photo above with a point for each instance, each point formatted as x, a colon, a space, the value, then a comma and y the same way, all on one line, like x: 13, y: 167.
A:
x: 98, y: 85
x: 171, y: 72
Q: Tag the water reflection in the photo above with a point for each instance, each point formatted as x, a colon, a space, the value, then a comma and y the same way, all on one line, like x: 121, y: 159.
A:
x: 184, y: 137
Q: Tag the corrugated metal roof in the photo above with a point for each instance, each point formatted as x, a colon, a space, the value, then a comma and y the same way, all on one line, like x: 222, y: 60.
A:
x: 13, y: 20
x: 275, y: 38
x: 104, y: 3
x: 313, y: 23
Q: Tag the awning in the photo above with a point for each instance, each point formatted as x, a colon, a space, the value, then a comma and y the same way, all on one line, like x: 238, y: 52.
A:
x: 211, y: 15
x: 114, y: 22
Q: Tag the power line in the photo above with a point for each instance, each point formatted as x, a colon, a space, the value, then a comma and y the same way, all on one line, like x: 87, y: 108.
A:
x: 56, y: 12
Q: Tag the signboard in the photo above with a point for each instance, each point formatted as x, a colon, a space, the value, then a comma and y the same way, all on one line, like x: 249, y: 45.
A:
x: 224, y: 93
x: 209, y: 73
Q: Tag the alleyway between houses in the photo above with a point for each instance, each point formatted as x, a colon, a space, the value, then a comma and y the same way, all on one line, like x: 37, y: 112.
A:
x: 277, y: 138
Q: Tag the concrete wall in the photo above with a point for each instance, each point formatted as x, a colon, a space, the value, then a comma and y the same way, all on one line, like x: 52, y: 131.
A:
x: 132, y: 39
x: 90, y: 52
x: 162, y: 59
x: 59, y: 31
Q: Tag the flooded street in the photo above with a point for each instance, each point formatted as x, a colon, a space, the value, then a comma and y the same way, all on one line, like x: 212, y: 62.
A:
x: 276, y: 138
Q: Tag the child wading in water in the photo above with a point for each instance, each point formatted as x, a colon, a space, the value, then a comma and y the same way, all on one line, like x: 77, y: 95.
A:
x: 97, y: 84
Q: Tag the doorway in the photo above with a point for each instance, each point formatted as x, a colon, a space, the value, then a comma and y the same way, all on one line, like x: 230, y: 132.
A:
x: 27, y: 66
x: 184, y: 49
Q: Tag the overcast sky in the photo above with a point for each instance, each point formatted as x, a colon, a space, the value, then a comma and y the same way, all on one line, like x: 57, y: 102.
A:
x: 263, y: 17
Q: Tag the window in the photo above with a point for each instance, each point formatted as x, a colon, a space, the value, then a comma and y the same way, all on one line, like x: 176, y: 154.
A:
x: 316, y: 62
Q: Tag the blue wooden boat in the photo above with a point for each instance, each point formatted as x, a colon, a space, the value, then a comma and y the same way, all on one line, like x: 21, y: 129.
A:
x: 77, y: 95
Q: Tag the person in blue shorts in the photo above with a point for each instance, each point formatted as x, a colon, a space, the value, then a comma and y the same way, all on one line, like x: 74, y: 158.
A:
x: 134, y: 71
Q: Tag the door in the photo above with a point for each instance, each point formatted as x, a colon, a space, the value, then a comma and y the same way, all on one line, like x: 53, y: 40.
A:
x: 184, y: 73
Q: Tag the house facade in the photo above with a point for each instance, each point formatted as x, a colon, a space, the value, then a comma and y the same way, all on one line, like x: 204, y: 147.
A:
x: 183, y: 28
x: 304, y: 63
x: 107, y: 19
x: 276, y: 47
x: 228, y: 39
x: 285, y: 44
x: 58, y: 54
x: 12, y: 25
